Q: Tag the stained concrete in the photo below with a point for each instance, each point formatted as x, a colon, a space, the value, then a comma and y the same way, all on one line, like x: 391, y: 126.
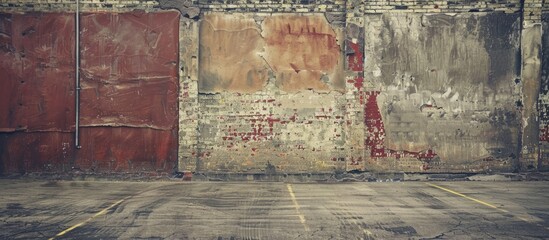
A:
x: 447, y: 84
x: 531, y: 74
x: 215, y: 210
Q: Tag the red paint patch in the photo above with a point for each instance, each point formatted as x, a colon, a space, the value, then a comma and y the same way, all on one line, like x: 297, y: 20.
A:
x: 356, y: 59
x: 375, y: 134
x: 544, y: 134
x: 375, y: 131
x: 358, y: 82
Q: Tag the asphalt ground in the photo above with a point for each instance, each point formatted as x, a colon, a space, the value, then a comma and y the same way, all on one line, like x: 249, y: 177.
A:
x: 34, y: 209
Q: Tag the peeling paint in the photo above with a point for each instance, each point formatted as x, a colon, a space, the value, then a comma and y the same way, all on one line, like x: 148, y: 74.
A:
x: 238, y: 53
x: 301, y: 50
x: 355, y: 57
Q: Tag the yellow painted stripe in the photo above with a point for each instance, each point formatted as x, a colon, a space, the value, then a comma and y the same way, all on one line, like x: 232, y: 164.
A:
x: 467, y: 197
x: 296, y: 205
x: 488, y: 205
x: 87, y: 220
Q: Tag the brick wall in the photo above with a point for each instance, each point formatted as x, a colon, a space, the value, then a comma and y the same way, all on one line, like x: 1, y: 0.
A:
x: 85, y: 5
x: 294, y: 6
x: 421, y: 6
x: 266, y: 131
x: 532, y: 10
x: 284, y: 6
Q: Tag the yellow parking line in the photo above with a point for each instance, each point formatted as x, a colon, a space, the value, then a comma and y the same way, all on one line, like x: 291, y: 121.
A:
x: 517, y: 216
x: 89, y: 219
x: 296, y: 205
x: 467, y: 197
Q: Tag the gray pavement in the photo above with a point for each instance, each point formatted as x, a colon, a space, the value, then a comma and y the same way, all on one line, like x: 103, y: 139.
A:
x: 32, y: 209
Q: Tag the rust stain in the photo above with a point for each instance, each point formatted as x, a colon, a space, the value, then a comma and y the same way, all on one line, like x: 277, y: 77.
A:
x: 301, y: 50
x: 229, y: 60
x: 355, y: 60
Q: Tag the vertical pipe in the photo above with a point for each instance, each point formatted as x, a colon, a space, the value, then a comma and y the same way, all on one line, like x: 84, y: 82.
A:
x: 77, y: 76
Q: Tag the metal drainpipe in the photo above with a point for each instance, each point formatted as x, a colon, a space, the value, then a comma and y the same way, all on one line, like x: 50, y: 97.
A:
x: 77, y: 80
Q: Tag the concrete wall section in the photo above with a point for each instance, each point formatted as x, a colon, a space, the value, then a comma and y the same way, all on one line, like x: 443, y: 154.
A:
x: 544, y: 95
x: 447, y: 88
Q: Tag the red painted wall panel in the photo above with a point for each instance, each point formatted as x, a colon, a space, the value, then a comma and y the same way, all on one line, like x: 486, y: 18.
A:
x: 129, y: 69
x: 124, y: 149
x: 36, y: 152
x: 128, y: 102
x: 37, y: 72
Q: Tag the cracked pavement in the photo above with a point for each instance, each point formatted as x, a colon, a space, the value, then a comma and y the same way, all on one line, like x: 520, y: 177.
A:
x: 272, y: 210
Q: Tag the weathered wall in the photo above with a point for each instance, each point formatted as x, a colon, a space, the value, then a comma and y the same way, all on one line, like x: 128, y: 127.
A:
x: 277, y: 86
x: 270, y: 93
x: 128, y: 97
x: 437, y: 93
x: 445, y: 83
x: 531, y: 77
